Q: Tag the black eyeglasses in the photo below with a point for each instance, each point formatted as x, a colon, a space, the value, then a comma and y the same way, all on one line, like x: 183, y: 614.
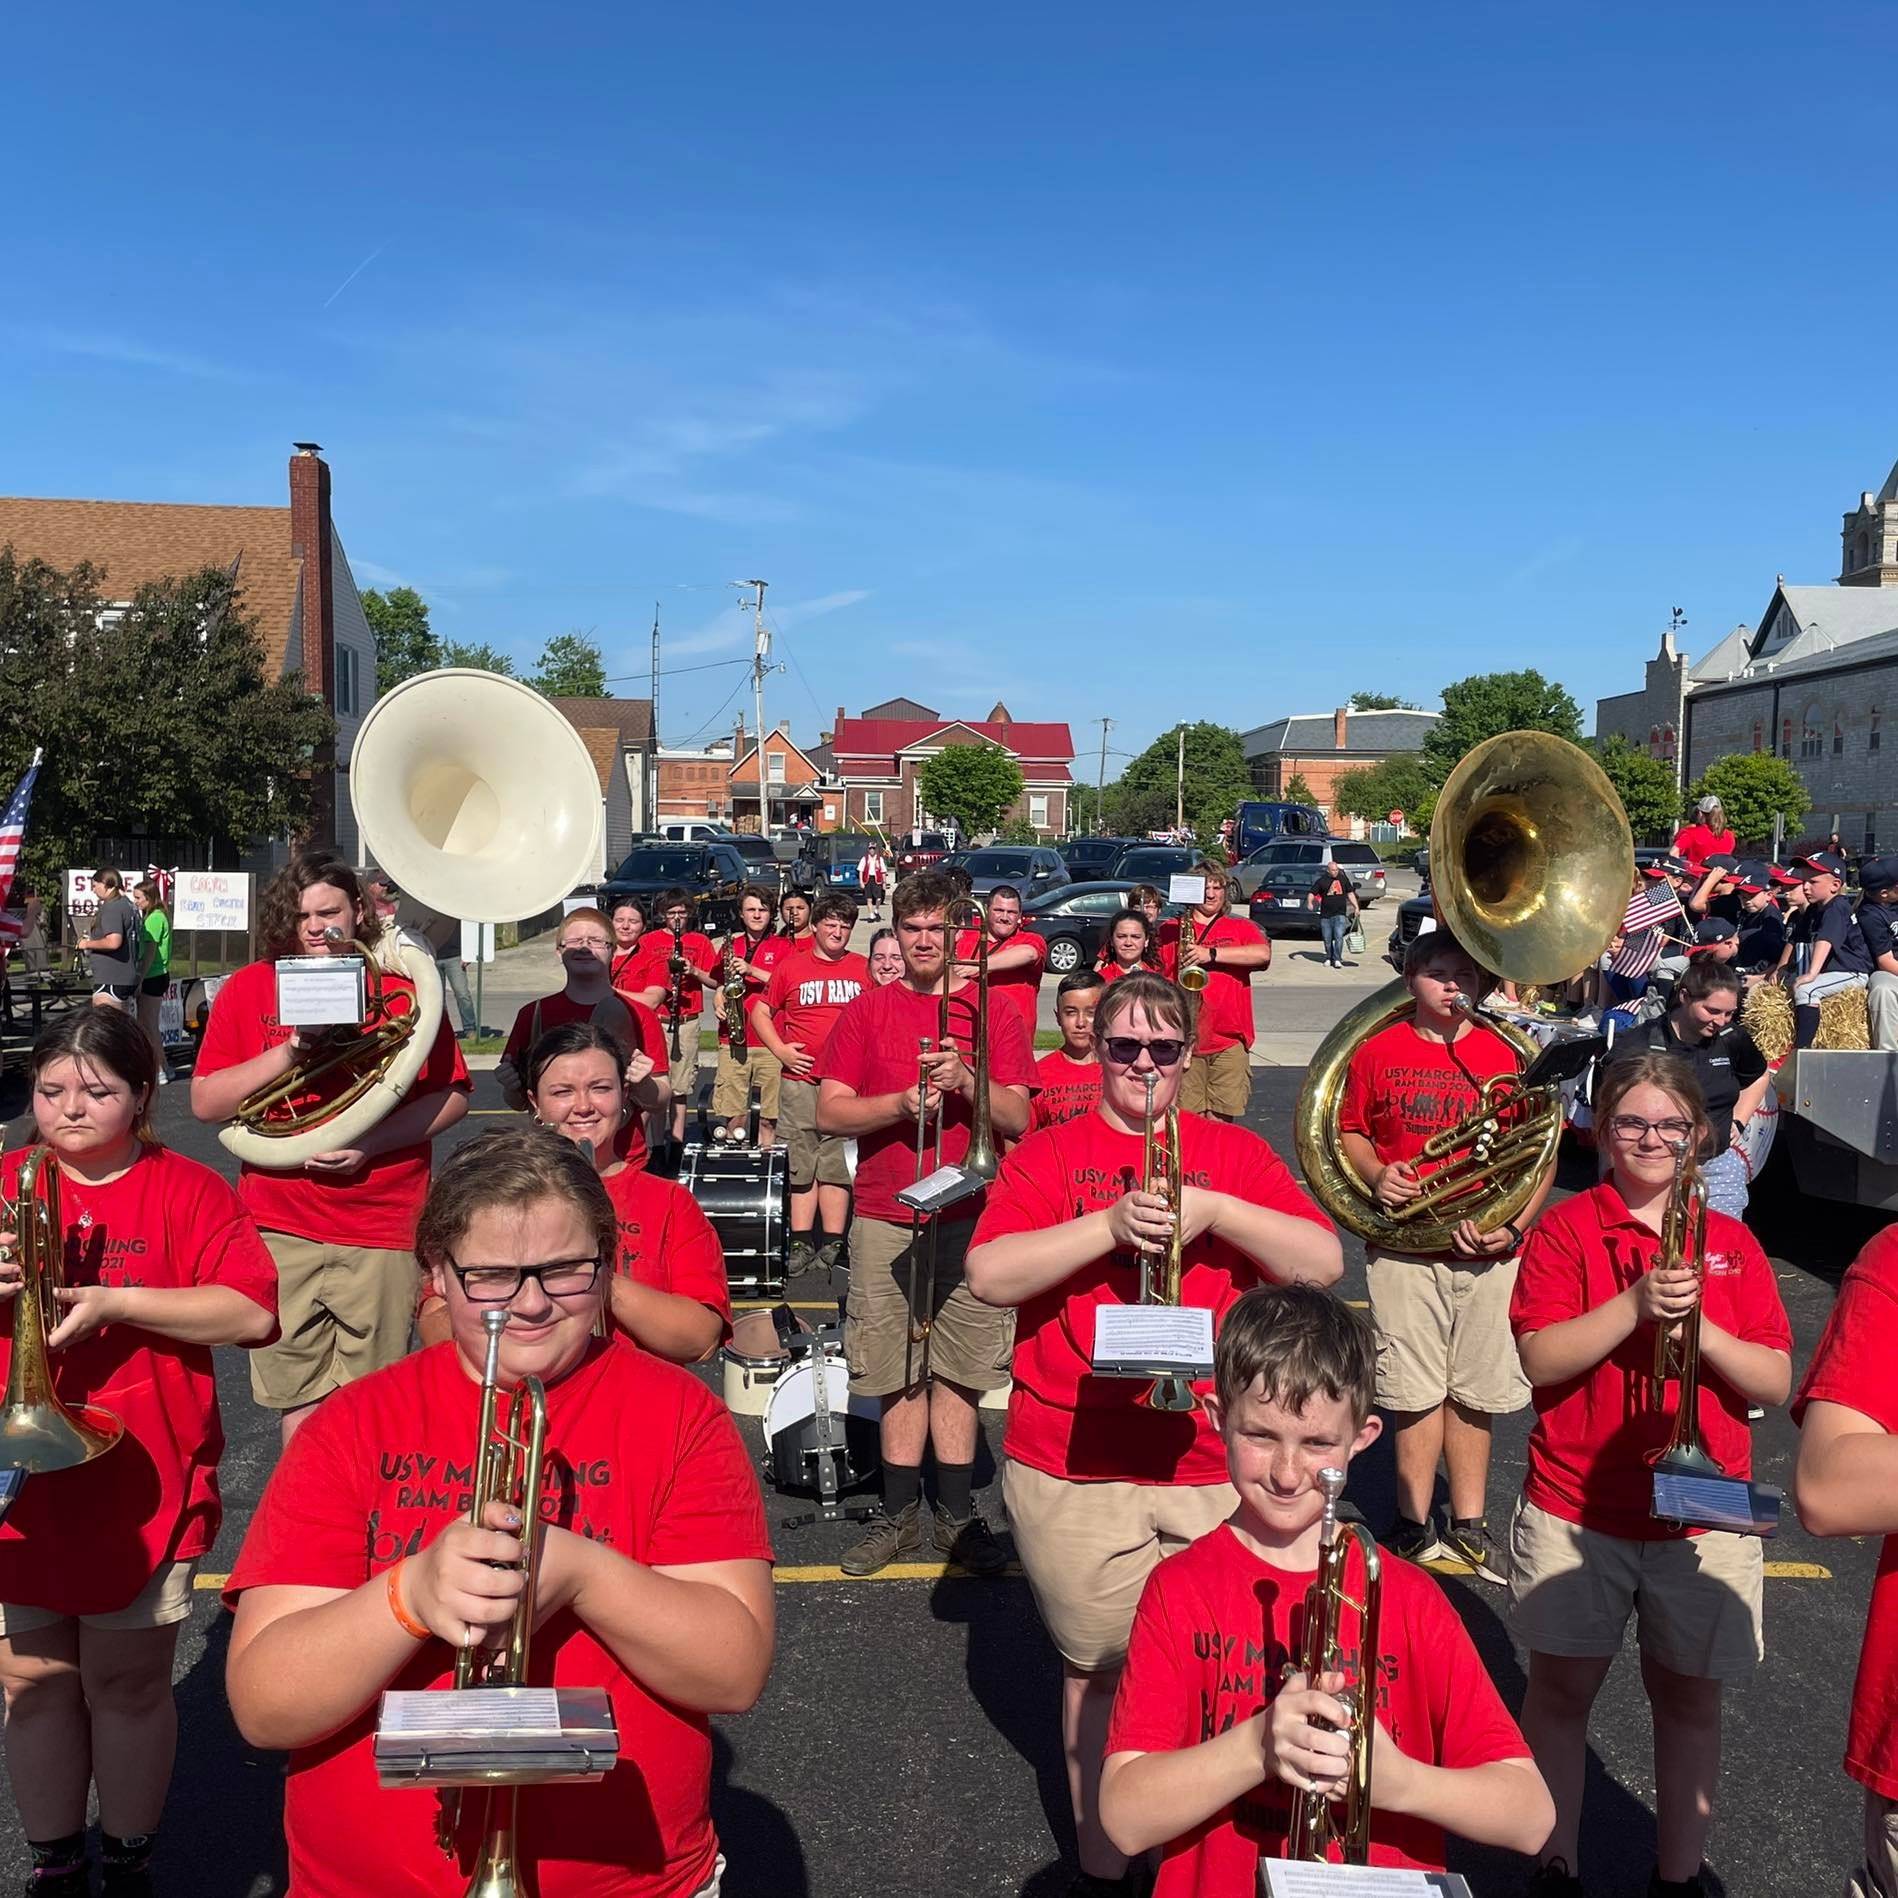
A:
x: 496, y: 1284
x: 1124, y: 1050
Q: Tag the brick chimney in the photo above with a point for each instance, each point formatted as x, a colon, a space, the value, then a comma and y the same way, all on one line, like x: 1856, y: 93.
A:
x: 311, y: 541
x: 1340, y: 722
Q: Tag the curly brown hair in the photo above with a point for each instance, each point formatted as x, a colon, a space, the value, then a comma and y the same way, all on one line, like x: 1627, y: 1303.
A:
x: 279, y: 908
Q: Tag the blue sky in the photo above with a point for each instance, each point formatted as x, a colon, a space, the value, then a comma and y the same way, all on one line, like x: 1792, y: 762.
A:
x: 1106, y: 362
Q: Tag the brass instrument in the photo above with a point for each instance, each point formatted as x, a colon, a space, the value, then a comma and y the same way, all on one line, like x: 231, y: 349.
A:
x: 510, y: 1456
x: 675, y: 998
x: 731, y: 988
x: 1677, y: 1347
x: 1532, y: 859
x: 1194, y: 979
x: 1318, y: 1823
x: 1161, y: 1172
x: 39, y: 1433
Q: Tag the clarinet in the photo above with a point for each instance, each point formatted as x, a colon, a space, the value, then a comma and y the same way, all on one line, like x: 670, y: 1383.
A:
x: 675, y: 1002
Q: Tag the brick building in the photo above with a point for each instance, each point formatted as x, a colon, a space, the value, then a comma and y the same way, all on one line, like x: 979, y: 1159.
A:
x: 1319, y: 746
x: 798, y: 789
x: 296, y: 582
x: 875, y: 759
x: 1813, y: 684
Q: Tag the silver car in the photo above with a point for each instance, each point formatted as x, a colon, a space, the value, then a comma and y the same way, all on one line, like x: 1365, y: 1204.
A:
x: 1358, y: 861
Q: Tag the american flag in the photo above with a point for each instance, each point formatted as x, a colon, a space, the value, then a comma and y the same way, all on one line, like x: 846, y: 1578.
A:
x: 1644, y: 928
x: 12, y: 830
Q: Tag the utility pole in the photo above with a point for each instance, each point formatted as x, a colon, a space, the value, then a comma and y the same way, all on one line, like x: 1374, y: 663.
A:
x: 761, y: 649
x: 1100, y: 782
x: 652, y: 775
x: 1179, y: 786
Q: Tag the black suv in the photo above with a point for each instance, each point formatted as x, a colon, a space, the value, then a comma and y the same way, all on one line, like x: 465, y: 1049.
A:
x: 710, y: 874
x: 761, y: 861
x: 1092, y: 857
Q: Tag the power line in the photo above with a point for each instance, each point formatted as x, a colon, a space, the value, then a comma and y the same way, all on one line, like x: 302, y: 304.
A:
x: 673, y: 672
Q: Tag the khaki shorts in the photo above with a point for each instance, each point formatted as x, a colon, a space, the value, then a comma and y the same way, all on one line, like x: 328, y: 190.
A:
x: 970, y: 1343
x: 684, y: 1072
x: 1218, y: 1083
x: 344, y: 1311
x: 1443, y: 1331
x: 1696, y: 1599
x: 815, y: 1159
x: 731, y: 1091
x: 164, y: 1601
x: 1877, y: 1875
x: 1088, y: 1548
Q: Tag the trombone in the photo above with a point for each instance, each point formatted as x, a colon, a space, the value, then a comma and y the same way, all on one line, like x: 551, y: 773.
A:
x: 1161, y: 1172
x: 1677, y: 1347
x: 38, y: 1432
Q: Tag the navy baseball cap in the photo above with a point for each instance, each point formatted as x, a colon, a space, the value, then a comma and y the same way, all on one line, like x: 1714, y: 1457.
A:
x: 1664, y: 867
x: 1878, y: 873
x: 1752, y: 878
x: 1784, y: 877
x: 1713, y: 929
x: 1821, y: 861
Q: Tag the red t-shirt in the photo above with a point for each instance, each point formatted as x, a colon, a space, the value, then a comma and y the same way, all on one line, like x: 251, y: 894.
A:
x: 629, y: 968
x: 872, y: 1050
x: 1852, y: 1366
x: 1065, y: 1089
x: 1401, y: 1087
x: 641, y: 1457
x: 1019, y: 989
x: 376, y: 1207
x: 1214, y: 1631
x: 808, y: 992
x: 86, y: 1540
x: 698, y: 951
x: 1062, y: 1418
x: 759, y: 959
x: 665, y: 1241
x: 1225, y: 1003
x: 1695, y: 843
x: 1112, y: 971
x: 1595, y: 1436
x: 556, y: 1011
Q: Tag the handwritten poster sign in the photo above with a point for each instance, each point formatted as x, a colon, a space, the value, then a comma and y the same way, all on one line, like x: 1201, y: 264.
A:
x: 211, y: 899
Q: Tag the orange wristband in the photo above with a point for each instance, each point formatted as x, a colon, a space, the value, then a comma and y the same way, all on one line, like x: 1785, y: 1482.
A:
x: 407, y: 1621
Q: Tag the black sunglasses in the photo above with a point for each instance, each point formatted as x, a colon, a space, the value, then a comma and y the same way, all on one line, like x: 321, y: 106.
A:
x: 496, y: 1284
x: 1124, y: 1050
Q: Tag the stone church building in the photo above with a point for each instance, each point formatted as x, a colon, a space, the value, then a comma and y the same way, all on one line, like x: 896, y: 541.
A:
x: 1814, y: 682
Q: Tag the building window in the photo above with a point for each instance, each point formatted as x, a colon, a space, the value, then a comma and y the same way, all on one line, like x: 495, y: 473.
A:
x: 1871, y: 832
x: 1785, y: 738
x: 1667, y: 743
x: 1811, y: 740
x: 1871, y: 733
x: 873, y: 807
x: 1756, y: 734
x: 1654, y: 741
x: 347, y: 674
x: 774, y: 767
x: 1038, y: 810
x: 1838, y: 736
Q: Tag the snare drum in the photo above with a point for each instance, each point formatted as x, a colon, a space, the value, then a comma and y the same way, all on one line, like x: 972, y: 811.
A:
x: 746, y: 1195
x: 752, y: 1364
x: 791, y: 1429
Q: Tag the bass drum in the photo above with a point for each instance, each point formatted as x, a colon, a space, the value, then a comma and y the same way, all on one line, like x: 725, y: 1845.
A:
x: 747, y: 1197
x: 794, y: 1430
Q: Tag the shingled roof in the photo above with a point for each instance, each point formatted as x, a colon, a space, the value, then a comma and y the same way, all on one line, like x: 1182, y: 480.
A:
x: 631, y: 718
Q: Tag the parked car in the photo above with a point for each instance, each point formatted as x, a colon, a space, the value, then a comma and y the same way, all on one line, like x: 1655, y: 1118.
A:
x: 1281, y: 903
x: 829, y: 861
x: 1358, y: 861
x: 711, y: 874
x: 1152, y: 863
x: 762, y: 864
x: 1088, y: 857
x: 1412, y: 913
x: 1032, y: 868
x: 1072, y: 919
x: 692, y: 830
x: 927, y: 849
x: 1256, y: 824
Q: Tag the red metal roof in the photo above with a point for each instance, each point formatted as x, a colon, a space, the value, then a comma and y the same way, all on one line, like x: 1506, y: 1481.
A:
x: 880, y: 739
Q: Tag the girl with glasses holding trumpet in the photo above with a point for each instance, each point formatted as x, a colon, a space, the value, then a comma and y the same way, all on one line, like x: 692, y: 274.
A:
x: 1585, y: 1548
x: 1101, y: 1485
x: 362, y: 1572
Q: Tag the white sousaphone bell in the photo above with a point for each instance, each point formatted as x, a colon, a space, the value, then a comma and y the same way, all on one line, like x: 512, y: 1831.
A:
x: 482, y: 802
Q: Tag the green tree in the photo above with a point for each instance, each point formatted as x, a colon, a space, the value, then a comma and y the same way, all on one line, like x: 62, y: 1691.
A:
x: 405, y: 643
x: 1479, y: 707
x: 479, y: 655
x: 570, y: 668
x: 1297, y: 791
x: 163, y: 725
x: 1380, y: 702
x: 1646, y: 787
x: 1402, y: 782
x: 1754, y: 787
x: 1216, y: 782
x: 974, y: 784
x: 1017, y: 830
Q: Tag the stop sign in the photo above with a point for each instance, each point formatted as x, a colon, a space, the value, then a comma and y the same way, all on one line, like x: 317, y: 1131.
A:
x: 1397, y: 817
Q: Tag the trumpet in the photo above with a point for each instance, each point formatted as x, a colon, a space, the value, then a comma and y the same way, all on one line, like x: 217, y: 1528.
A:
x: 1161, y: 1172
x: 731, y: 988
x: 1318, y: 1823
x: 38, y: 1432
x: 1194, y: 979
x: 510, y: 1457
x: 1677, y: 1349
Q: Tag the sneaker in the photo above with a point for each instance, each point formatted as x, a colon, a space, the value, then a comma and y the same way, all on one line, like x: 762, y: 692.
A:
x: 76, y: 1883
x: 1469, y: 1542
x: 1414, y: 1541
x: 969, y: 1544
x: 883, y: 1541
x: 1659, y: 1887
x: 802, y: 1258
x: 828, y: 1255
x: 1554, y: 1880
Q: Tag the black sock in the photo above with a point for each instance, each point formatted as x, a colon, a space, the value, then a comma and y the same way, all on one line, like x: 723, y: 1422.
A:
x: 131, y: 1854
x: 902, y: 1486
x: 1806, y: 1024
x: 55, y: 1856
x: 955, y: 1485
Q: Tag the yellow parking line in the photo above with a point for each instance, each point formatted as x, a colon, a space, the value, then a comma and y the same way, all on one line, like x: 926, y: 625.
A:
x: 771, y: 1304
x: 1798, y: 1571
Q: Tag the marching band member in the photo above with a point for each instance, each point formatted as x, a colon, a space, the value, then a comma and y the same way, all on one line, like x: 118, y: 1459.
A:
x: 1129, y: 947
x: 808, y: 991
x: 1218, y: 1082
x: 631, y: 951
x: 161, y: 1263
x: 794, y: 919
x: 1846, y: 1484
x: 680, y: 943
x: 1099, y: 1485
x: 1150, y: 901
x: 1585, y: 1550
x: 589, y: 996
x: 1448, y: 1367
x: 876, y: 1086
x: 340, y: 1227
x: 871, y: 876
x: 669, y: 1293
x: 757, y: 951
x: 1207, y: 1742
x: 361, y: 1571
x: 886, y: 959
x: 1017, y: 956
x: 1068, y: 1078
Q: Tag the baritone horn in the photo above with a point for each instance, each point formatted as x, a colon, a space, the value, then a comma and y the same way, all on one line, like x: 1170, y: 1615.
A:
x: 483, y: 803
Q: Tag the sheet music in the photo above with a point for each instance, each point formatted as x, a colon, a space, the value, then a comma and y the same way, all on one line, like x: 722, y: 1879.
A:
x: 1717, y: 1502
x: 1290, y: 1878
x: 1177, y: 1336
x: 486, y: 1712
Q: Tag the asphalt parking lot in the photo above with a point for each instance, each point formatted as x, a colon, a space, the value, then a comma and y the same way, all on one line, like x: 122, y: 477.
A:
x: 907, y: 1740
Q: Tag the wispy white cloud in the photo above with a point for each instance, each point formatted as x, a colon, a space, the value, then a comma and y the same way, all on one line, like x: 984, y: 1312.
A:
x: 129, y: 352
x: 799, y: 612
